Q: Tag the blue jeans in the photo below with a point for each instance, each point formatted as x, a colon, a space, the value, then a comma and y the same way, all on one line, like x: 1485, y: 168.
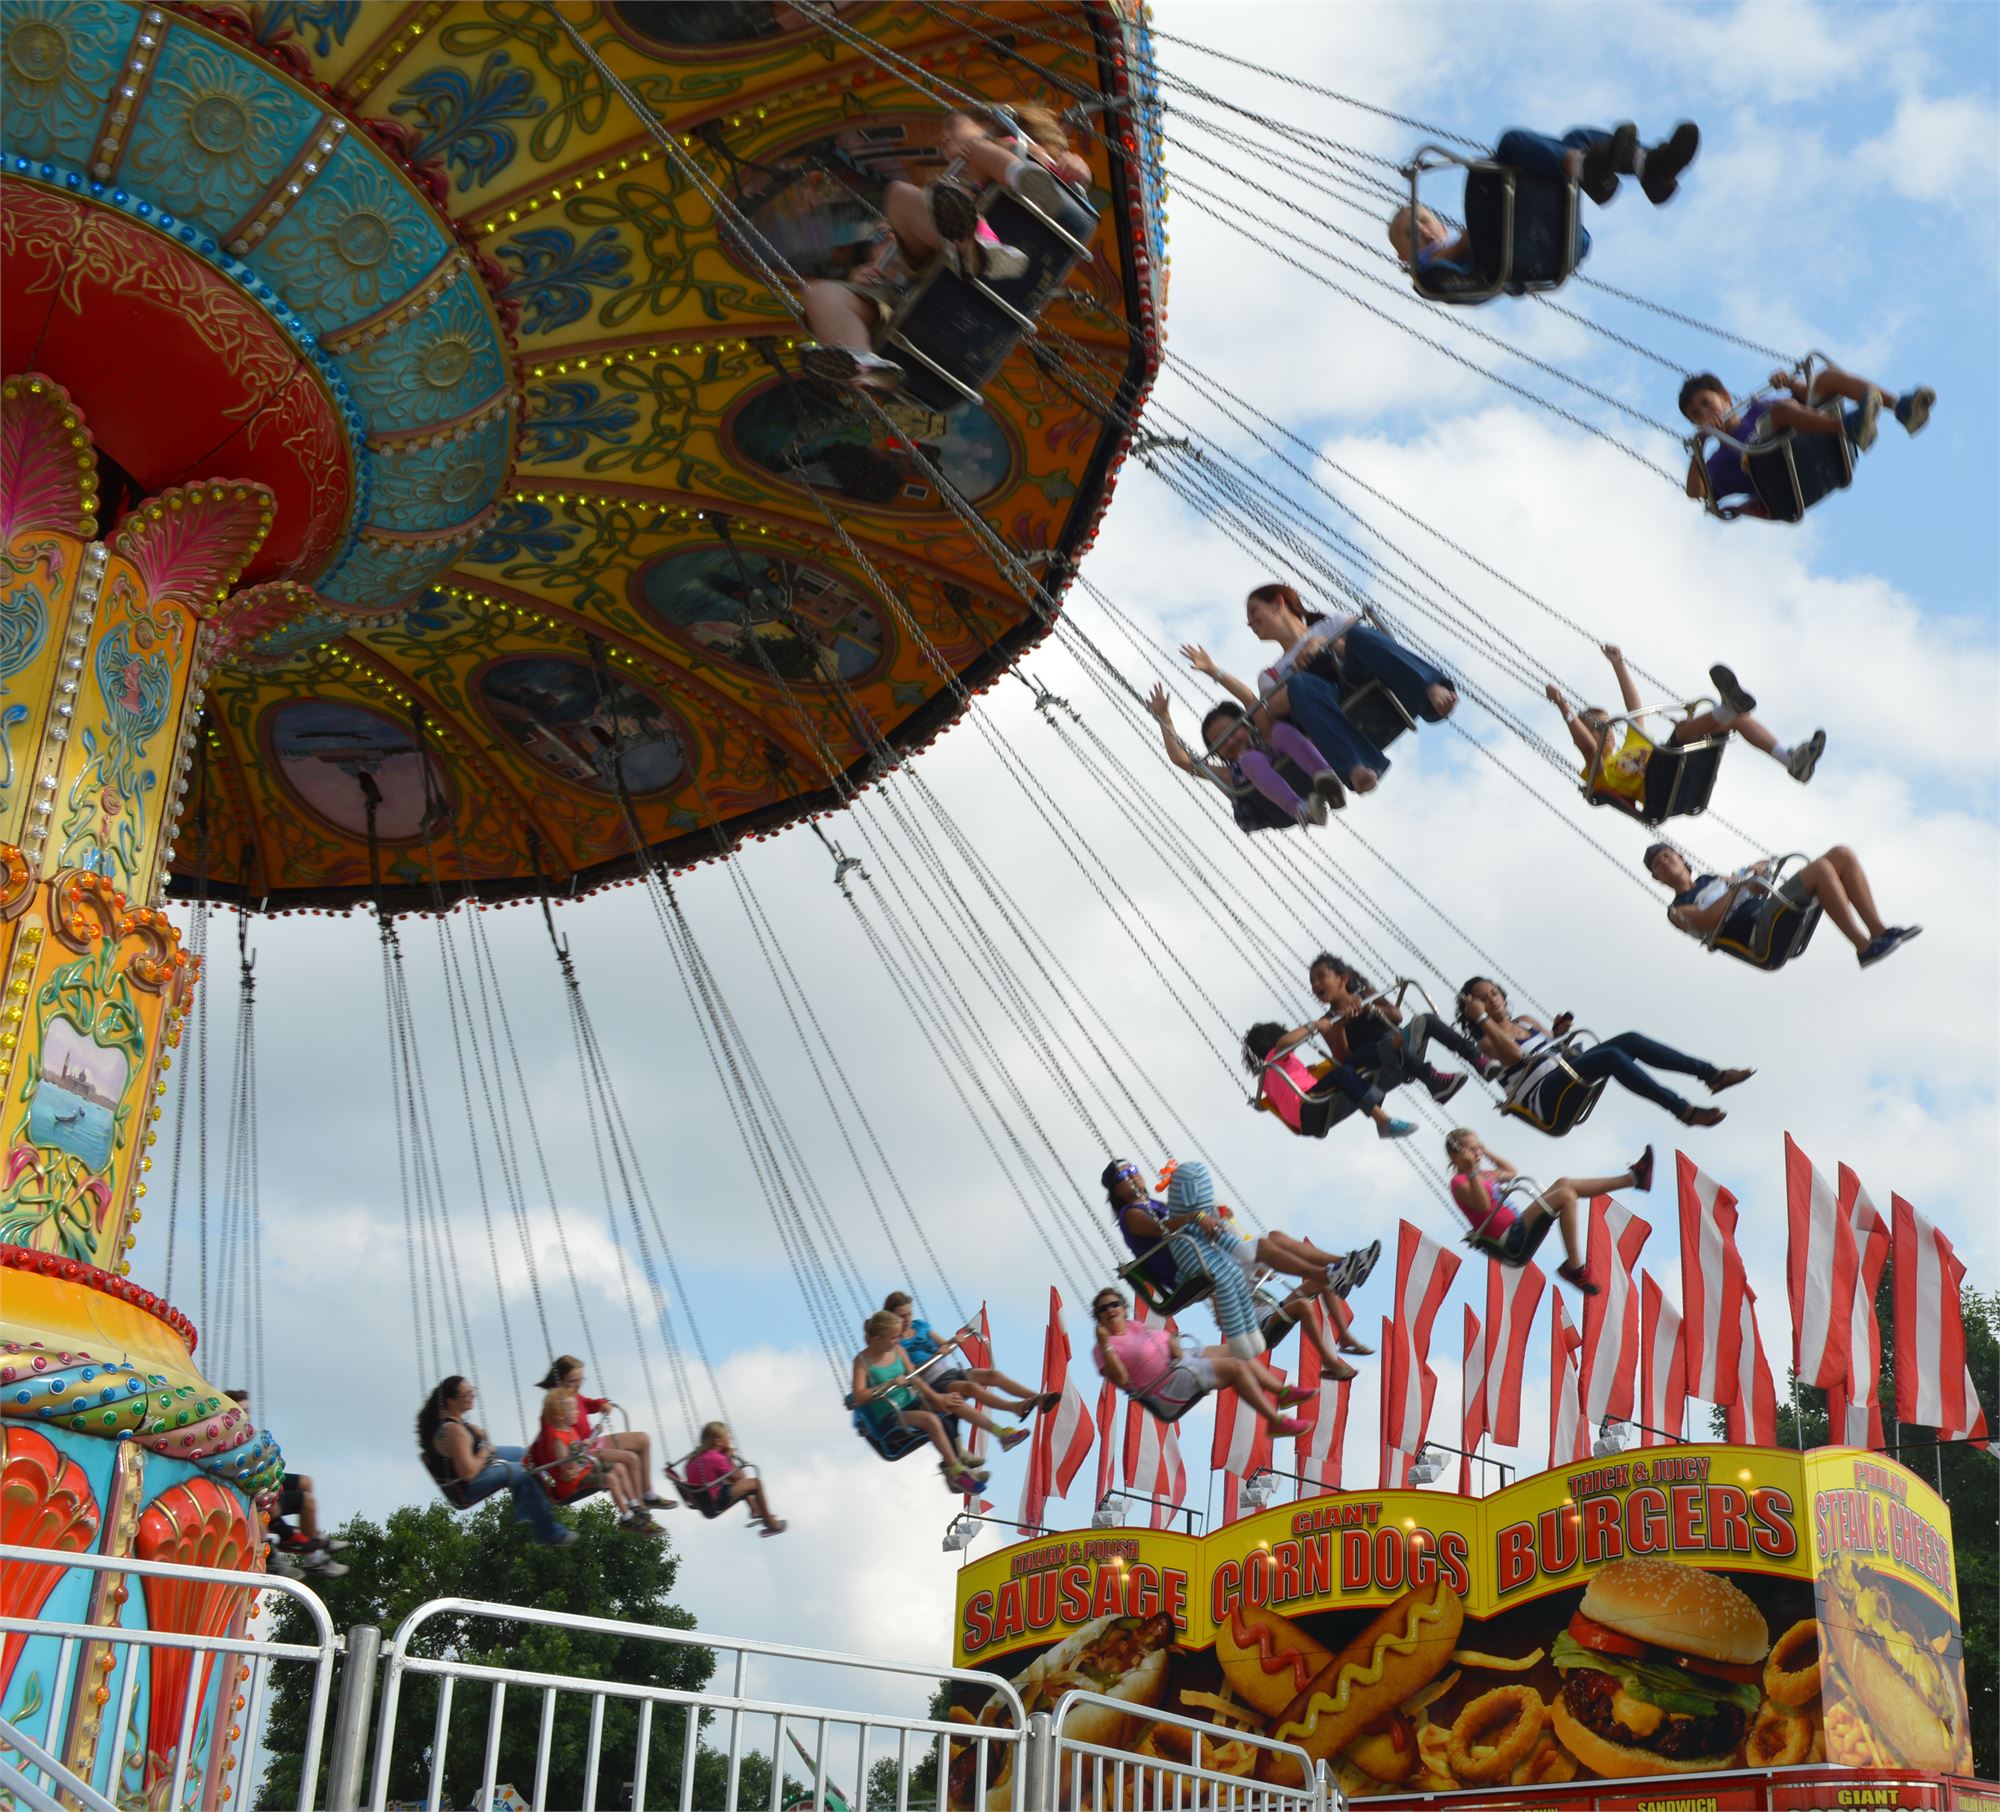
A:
x: 1535, y: 154
x: 1620, y: 1057
x: 1371, y: 655
x: 505, y: 1472
x: 1316, y: 710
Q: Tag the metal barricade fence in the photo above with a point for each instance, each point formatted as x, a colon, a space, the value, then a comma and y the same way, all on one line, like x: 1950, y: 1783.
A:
x: 839, y: 1747
x: 1191, y: 1767
x: 119, y: 1655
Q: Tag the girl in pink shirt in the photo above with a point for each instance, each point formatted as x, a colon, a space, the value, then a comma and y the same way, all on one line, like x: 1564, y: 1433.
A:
x: 716, y: 1472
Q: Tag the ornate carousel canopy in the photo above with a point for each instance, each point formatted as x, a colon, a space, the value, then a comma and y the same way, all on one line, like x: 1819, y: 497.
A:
x: 552, y: 509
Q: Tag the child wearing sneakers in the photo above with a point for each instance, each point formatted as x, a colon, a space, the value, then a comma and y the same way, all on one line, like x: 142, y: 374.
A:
x: 1299, y: 1094
x: 885, y: 1389
x: 1588, y: 156
x: 1615, y: 758
x: 1024, y: 148
x: 1723, y: 475
x: 1513, y: 1236
x: 921, y: 1346
x: 1248, y: 768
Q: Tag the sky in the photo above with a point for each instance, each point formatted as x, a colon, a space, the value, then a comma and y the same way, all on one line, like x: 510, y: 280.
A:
x: 1845, y: 199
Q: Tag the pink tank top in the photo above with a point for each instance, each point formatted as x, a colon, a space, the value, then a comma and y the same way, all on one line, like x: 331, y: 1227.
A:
x: 1284, y: 1085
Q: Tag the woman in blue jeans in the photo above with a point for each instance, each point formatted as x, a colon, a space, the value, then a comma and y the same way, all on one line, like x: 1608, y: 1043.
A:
x: 1527, y: 1054
x: 467, y: 1467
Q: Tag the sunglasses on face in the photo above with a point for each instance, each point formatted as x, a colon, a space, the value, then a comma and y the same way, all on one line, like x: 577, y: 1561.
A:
x: 1127, y: 1173
x: 1102, y: 1309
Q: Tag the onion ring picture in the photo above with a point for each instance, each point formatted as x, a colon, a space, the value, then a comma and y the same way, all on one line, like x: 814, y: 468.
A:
x: 1778, y: 1740
x: 1794, y: 1669
x: 1495, y: 1733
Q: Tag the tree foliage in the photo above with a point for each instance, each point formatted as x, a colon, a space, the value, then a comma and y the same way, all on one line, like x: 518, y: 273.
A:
x: 429, y: 1553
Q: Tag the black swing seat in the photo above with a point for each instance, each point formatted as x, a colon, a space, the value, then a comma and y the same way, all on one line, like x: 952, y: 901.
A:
x: 951, y: 334
x: 702, y: 1498
x: 1548, y: 1093
x: 1181, y: 1295
x: 1789, y: 472
x: 1526, y: 231
x: 1680, y: 777
x: 1376, y: 712
x: 1782, y: 928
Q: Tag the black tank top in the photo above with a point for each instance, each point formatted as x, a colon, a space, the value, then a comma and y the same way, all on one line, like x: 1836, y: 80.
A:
x: 443, y: 1473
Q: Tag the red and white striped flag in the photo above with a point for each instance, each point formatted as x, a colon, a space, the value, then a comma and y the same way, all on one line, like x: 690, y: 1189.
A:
x: 1242, y: 1446
x: 1822, y: 1267
x: 1513, y: 1293
x: 978, y: 1352
x: 1472, y: 1401
x: 1569, y: 1433
x: 1063, y: 1435
x: 1712, y: 1284
x: 1610, y: 1371
x: 1854, y: 1402
x: 1424, y: 1271
x: 1662, y: 1367
x: 1316, y: 1453
x: 1752, y: 1419
x: 1933, y: 1384
x: 1107, y: 1449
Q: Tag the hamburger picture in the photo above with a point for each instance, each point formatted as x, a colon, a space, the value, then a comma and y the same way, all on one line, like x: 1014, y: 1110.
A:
x: 1660, y: 1670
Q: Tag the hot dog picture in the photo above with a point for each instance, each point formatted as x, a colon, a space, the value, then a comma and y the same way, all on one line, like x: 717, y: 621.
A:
x: 1890, y: 1665
x: 1121, y: 1658
x: 1344, y: 1704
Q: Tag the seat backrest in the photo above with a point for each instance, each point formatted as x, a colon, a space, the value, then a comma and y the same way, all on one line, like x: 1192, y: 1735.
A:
x: 1546, y: 239
x: 1679, y: 779
x: 1793, y: 472
x: 1376, y: 712
x: 954, y: 324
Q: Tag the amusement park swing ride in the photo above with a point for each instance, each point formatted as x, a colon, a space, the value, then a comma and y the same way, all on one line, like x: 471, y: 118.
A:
x: 415, y: 497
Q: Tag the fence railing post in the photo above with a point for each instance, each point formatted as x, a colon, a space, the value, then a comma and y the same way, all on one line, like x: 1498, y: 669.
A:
x: 347, y: 1751
x: 1038, y: 1769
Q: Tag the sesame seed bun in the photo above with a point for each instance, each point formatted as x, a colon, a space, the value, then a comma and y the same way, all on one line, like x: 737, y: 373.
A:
x: 1678, y: 1607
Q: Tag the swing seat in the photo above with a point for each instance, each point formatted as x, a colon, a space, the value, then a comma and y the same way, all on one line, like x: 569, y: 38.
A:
x: 1783, y: 926
x: 1680, y: 777
x: 1168, y: 1301
x: 1559, y: 1102
x: 1500, y: 1248
x: 701, y: 1498
x: 1376, y: 712
x: 1525, y: 231
x: 893, y: 1441
x: 1793, y: 472
x: 951, y: 334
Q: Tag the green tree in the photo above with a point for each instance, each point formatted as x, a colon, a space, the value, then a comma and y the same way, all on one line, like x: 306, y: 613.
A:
x: 923, y: 1772
x: 429, y: 1553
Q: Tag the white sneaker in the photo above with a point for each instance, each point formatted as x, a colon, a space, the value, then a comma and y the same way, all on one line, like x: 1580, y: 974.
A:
x: 992, y: 263
x: 1864, y: 429
x: 1806, y: 756
x: 1036, y: 186
x: 1310, y: 810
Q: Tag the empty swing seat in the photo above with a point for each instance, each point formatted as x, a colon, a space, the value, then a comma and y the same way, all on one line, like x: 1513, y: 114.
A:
x: 951, y: 334
x: 1549, y: 1094
x: 1526, y: 232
